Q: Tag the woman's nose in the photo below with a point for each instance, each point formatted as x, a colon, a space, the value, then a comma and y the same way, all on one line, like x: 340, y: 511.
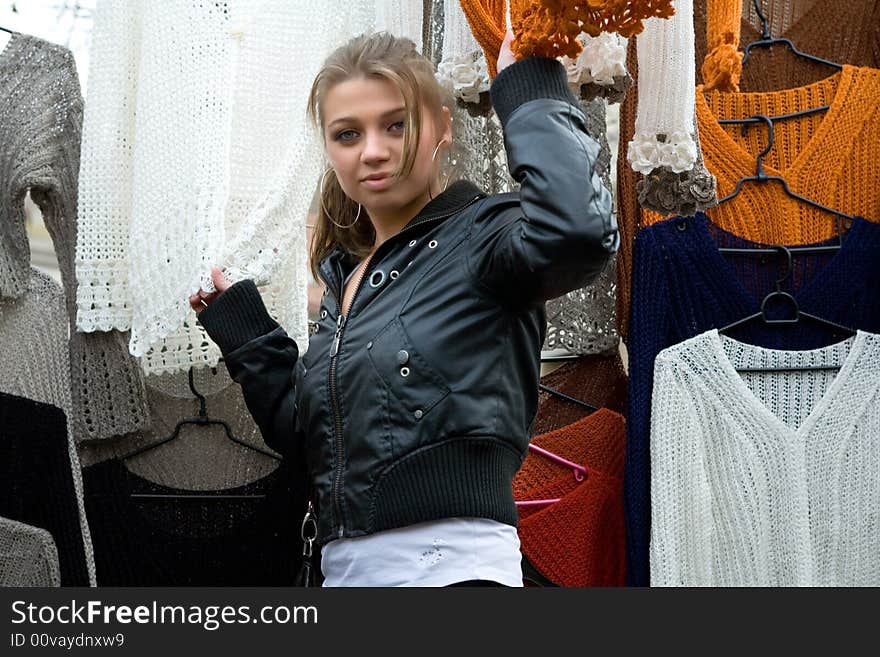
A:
x: 375, y: 149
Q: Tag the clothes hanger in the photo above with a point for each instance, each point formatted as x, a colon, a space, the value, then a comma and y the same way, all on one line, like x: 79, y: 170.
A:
x: 762, y: 177
x: 579, y: 472
x: 562, y: 395
x: 201, y: 419
x: 837, y: 330
x: 6, y: 29
x: 767, y: 41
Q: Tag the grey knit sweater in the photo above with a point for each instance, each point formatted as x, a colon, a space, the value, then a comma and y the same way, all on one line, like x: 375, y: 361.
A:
x: 40, y: 125
x: 28, y: 555
x: 33, y: 332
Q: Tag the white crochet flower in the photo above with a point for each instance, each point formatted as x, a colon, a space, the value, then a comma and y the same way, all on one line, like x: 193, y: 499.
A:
x: 464, y: 77
x: 574, y: 70
x: 603, y: 58
x: 679, y: 153
x: 643, y: 153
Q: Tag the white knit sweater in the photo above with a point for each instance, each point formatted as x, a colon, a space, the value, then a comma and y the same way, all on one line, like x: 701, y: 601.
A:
x: 765, y: 479
x: 197, y: 152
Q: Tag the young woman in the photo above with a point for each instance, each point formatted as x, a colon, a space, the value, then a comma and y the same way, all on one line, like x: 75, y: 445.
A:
x: 411, y: 409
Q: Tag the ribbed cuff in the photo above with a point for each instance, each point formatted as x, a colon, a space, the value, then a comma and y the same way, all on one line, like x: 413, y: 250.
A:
x: 529, y: 79
x: 237, y: 316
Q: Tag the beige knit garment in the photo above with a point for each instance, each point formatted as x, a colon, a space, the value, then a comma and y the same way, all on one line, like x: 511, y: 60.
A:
x: 201, y: 457
x: 33, y: 332
x: 765, y: 479
x: 28, y: 555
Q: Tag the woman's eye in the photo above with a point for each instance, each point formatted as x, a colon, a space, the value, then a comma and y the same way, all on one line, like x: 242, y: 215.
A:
x: 398, y: 126
x: 346, y: 135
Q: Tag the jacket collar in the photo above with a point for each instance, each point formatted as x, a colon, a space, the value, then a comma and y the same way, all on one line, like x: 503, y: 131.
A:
x: 453, y: 199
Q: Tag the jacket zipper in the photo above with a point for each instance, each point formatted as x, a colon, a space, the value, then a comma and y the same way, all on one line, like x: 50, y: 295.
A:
x: 334, y: 354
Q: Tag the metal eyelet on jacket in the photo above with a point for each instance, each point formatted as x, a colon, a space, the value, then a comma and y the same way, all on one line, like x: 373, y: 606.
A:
x: 413, y: 242
x: 432, y: 244
x: 377, y: 278
x: 404, y: 371
x: 323, y: 314
x: 394, y: 274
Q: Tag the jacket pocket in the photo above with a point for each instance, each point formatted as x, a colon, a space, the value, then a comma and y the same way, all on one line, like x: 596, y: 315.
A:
x: 412, y: 381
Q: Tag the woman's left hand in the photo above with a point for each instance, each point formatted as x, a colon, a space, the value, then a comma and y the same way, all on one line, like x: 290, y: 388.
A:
x: 505, y: 55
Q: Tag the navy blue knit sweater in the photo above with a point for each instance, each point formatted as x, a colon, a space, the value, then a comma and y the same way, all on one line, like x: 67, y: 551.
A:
x: 683, y: 286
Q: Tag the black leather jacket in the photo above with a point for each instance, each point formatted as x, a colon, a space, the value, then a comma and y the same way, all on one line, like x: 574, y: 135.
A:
x: 418, y: 405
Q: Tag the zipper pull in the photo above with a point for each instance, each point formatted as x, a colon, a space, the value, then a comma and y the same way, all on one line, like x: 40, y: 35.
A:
x: 340, y: 324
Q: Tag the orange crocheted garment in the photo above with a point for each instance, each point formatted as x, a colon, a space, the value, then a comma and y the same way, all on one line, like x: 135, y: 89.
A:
x: 549, y: 28
x: 579, y: 540
x: 827, y: 157
x: 722, y: 66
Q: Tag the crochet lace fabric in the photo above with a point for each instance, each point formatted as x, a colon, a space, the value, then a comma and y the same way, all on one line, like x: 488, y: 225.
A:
x: 550, y: 28
x: 33, y: 332
x: 220, y: 462
x: 765, y: 479
x: 194, y: 542
x: 37, y: 474
x: 40, y: 120
x: 28, y: 556
x: 177, y: 175
x: 579, y: 540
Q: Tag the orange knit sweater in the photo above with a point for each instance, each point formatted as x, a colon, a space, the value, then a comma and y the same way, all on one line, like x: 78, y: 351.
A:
x: 828, y: 157
x: 578, y: 541
x: 549, y: 28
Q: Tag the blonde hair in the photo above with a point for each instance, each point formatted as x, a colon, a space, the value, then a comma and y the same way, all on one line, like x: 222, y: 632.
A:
x: 391, y: 58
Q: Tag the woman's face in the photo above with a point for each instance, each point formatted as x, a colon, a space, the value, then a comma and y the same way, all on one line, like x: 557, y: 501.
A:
x: 363, y: 136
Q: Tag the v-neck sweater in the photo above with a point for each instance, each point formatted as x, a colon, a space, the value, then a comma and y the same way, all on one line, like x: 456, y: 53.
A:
x: 825, y: 157
x: 684, y: 286
x: 765, y: 479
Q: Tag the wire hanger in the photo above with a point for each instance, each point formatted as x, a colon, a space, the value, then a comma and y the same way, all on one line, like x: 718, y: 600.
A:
x: 767, y: 41
x: 569, y: 398
x: 6, y: 29
x: 838, y: 330
x: 201, y: 420
x: 762, y: 177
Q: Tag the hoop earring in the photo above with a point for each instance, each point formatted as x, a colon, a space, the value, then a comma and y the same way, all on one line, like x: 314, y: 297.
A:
x: 323, y: 207
x: 448, y: 174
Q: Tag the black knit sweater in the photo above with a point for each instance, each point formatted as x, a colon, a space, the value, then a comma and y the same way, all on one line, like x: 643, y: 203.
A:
x: 192, y: 542
x: 36, y: 482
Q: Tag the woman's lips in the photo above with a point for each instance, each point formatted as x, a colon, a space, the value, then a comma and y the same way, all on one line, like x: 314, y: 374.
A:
x: 378, y: 183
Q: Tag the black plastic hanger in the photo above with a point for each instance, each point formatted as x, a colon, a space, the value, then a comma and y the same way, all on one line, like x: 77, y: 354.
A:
x: 201, y: 420
x: 6, y: 29
x: 762, y: 177
x: 767, y: 41
x: 837, y: 330
x: 569, y: 398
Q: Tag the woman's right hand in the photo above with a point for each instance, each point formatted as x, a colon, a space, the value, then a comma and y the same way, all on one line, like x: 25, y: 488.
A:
x: 202, y: 299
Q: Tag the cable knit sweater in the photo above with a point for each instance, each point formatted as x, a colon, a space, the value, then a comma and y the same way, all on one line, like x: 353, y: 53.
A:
x: 28, y: 556
x: 684, y: 286
x: 36, y: 482
x: 197, y: 152
x: 845, y: 32
x: 765, y: 479
x: 40, y: 120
